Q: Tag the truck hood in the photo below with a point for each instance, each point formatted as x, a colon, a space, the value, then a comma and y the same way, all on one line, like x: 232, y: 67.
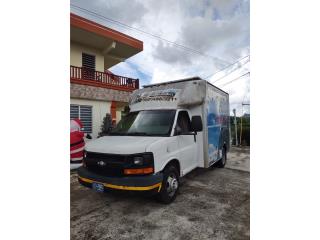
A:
x: 120, y: 144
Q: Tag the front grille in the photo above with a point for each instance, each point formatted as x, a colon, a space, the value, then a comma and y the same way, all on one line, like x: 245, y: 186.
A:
x: 113, y: 164
x: 114, y: 158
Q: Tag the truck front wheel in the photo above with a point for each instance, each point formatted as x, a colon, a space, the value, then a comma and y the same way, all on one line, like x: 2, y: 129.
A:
x: 170, y: 185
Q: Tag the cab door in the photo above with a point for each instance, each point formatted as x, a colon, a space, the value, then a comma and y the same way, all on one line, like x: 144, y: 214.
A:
x: 186, y: 142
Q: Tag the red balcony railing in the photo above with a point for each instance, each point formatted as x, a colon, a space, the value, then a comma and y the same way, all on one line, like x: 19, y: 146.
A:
x: 85, y: 76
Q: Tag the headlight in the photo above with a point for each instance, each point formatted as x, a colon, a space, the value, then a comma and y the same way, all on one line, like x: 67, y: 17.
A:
x: 141, y: 160
x: 138, y: 160
x: 139, y: 164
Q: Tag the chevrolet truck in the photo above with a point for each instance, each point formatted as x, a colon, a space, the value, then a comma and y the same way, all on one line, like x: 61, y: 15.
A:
x: 171, y: 129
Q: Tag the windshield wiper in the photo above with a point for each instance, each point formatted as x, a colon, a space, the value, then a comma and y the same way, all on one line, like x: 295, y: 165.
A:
x: 117, y: 133
x: 137, y: 134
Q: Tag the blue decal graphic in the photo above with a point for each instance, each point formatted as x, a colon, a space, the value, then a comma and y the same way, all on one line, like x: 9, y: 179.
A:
x: 216, y: 118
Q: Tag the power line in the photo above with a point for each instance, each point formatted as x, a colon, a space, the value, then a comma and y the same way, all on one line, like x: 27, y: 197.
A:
x: 230, y: 72
x: 227, y: 66
x: 185, y: 48
x: 235, y: 79
x: 144, y: 32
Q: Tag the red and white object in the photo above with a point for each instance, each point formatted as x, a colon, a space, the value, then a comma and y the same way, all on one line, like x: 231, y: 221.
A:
x: 76, y: 143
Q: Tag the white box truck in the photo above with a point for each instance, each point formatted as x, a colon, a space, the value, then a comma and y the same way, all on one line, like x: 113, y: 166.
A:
x: 171, y: 129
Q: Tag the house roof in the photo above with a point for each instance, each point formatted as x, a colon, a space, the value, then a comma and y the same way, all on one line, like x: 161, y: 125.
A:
x: 115, y: 46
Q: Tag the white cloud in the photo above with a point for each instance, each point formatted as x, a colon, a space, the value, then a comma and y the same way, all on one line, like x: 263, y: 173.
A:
x: 219, y: 28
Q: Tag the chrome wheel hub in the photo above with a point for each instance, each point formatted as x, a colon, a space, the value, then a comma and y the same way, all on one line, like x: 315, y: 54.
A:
x: 172, y: 184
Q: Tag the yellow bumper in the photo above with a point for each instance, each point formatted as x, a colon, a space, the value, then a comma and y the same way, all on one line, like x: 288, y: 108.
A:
x: 129, y: 188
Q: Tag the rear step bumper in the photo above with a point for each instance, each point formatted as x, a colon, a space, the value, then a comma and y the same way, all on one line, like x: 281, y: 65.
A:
x: 134, y: 183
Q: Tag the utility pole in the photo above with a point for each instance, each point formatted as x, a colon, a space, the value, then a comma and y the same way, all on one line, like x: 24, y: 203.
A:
x: 241, y: 126
x: 243, y: 104
x: 235, y: 124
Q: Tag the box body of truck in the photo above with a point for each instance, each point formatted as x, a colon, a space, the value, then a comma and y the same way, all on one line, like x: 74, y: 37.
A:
x: 172, y: 128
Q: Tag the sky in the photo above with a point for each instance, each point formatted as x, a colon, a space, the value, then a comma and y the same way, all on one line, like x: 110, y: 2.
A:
x: 218, y: 30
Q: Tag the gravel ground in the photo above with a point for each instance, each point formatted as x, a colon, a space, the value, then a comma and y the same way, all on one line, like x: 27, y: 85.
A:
x: 212, y: 204
x: 239, y: 158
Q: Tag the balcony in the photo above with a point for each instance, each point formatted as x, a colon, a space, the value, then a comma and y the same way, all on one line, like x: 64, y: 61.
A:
x: 85, y: 76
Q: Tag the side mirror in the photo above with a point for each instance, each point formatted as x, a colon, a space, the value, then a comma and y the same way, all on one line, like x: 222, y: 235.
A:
x: 88, y: 136
x: 196, y: 124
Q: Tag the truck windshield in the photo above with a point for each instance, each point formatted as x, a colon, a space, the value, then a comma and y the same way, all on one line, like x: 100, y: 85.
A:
x: 145, y: 123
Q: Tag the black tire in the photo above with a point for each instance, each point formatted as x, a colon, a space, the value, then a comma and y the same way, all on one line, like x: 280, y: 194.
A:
x: 168, y: 193
x: 223, y: 160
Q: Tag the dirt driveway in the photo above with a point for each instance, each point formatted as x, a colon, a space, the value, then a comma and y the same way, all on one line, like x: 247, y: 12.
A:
x: 212, y: 204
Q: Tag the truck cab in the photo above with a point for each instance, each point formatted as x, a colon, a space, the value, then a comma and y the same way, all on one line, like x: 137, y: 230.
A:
x: 153, y: 146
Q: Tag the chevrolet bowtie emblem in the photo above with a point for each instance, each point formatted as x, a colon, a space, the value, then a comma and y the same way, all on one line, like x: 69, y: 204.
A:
x: 101, y: 163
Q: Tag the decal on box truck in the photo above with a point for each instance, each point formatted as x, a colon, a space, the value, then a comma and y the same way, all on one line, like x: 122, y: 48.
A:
x: 217, y: 117
x: 156, y: 95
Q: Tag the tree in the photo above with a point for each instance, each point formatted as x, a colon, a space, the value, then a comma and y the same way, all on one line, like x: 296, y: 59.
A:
x: 106, y: 126
x: 126, y: 110
x: 245, y: 141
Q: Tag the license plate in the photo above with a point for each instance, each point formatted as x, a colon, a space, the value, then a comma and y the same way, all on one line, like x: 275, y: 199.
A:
x: 97, y: 187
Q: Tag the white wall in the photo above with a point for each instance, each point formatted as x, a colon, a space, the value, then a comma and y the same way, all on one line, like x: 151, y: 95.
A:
x: 76, y: 51
x: 99, y: 110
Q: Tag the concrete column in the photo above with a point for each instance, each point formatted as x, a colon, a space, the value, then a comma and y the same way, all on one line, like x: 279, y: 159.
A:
x: 113, y: 111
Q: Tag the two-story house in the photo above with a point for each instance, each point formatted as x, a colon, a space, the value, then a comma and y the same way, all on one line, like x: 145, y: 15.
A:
x: 94, y: 90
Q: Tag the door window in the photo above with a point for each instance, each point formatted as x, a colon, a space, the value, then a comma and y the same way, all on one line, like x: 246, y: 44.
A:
x: 183, y: 122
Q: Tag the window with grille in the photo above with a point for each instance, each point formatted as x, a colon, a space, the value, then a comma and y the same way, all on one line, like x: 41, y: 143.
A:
x: 88, y: 66
x: 84, y: 113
